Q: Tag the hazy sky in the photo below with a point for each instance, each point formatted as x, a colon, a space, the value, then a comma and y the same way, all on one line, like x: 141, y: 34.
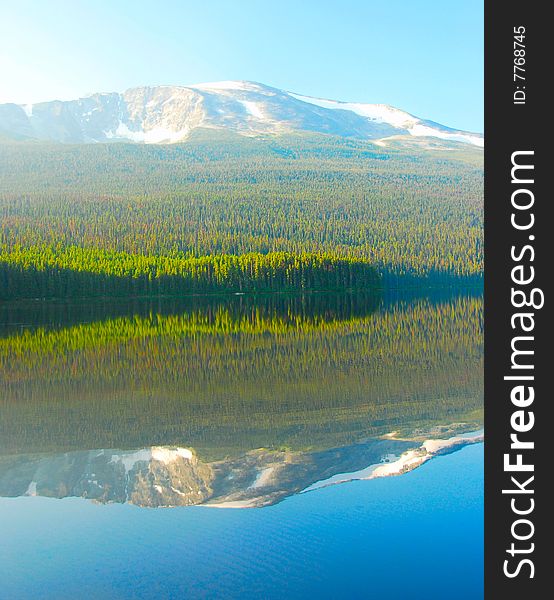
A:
x: 424, y: 56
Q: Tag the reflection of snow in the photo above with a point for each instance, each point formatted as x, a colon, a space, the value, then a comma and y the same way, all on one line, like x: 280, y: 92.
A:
x: 157, y: 453
x: 407, y: 461
x: 167, y: 455
x: 262, y: 478
x: 251, y: 503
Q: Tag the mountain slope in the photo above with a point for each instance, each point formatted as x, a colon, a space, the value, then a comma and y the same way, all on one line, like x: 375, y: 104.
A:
x: 224, y: 193
x: 168, y: 114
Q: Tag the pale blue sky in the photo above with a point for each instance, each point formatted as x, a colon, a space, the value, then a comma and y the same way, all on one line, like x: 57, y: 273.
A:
x: 424, y: 56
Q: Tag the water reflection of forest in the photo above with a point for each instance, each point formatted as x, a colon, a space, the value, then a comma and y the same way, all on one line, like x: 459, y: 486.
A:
x: 223, y: 374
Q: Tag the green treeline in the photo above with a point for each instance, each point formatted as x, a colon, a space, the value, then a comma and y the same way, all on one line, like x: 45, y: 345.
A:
x: 408, y: 213
x: 73, y: 272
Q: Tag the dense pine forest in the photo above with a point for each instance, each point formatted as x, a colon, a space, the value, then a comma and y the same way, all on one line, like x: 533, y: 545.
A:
x: 72, y: 271
x: 221, y: 212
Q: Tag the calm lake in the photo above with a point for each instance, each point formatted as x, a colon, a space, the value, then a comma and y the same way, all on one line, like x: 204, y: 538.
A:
x: 280, y: 446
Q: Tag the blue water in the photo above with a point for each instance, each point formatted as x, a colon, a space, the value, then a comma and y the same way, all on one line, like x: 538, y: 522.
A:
x: 416, y: 536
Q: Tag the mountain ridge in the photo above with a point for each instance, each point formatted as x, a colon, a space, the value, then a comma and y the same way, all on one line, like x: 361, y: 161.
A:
x: 168, y: 114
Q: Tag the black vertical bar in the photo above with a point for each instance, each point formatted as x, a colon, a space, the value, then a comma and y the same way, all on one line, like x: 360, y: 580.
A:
x: 514, y: 127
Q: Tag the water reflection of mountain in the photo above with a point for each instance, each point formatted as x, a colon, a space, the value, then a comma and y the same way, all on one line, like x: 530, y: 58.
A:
x: 229, y: 375
x: 169, y: 476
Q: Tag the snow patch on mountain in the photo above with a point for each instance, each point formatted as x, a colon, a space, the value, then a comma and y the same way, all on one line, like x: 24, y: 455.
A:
x: 156, y: 135
x: 420, y: 130
x: 383, y: 113
x: 253, y: 108
x: 375, y: 112
x: 227, y: 86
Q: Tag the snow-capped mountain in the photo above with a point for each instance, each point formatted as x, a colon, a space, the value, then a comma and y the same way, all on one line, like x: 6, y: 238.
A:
x: 168, y: 114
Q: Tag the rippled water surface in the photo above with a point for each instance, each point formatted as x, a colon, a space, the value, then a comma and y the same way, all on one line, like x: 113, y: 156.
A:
x: 242, y: 447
